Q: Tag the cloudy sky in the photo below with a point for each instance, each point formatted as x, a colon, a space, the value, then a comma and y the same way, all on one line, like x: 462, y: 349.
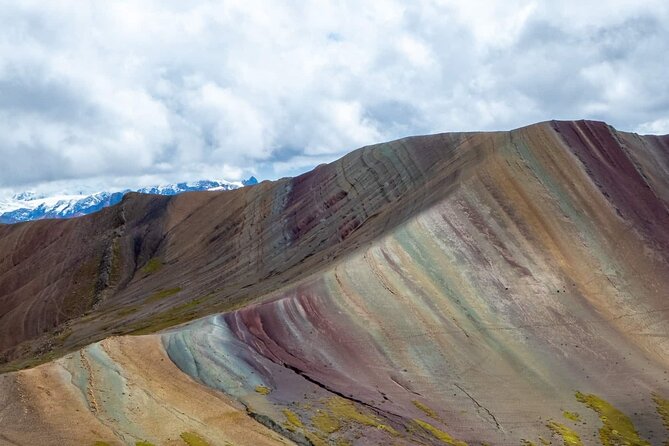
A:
x: 107, y: 93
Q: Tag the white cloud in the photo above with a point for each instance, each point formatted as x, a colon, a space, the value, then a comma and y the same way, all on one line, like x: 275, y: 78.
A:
x: 99, y: 91
x: 656, y: 127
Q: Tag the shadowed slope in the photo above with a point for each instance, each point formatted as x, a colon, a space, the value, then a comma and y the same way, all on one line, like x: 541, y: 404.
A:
x: 136, y: 266
x: 499, y: 288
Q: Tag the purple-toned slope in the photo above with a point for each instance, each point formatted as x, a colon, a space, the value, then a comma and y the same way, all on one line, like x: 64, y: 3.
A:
x: 524, y: 305
x: 497, y: 288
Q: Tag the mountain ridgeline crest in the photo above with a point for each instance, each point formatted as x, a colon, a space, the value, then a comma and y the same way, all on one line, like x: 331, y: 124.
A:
x: 453, y: 289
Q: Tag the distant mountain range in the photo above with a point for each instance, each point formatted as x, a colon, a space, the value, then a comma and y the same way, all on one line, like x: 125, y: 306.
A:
x: 27, y: 206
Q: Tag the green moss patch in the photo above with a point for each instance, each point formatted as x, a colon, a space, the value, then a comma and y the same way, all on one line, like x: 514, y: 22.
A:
x: 162, y: 294
x: 325, y: 423
x: 152, y: 266
x: 568, y: 435
x: 573, y: 416
x: 617, y: 428
x: 263, y: 390
x: 439, y: 434
x: 345, y: 410
x: 426, y: 410
x: 126, y: 311
x: 292, y: 420
x: 662, y: 409
x: 193, y: 439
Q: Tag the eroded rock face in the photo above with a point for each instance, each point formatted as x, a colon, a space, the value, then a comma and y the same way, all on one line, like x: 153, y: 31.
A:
x: 456, y: 289
x: 223, y: 248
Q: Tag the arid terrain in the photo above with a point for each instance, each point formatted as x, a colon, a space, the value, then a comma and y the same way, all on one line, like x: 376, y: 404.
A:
x: 499, y: 288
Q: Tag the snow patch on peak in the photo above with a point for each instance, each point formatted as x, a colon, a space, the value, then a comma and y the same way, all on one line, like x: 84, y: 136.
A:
x: 29, y: 205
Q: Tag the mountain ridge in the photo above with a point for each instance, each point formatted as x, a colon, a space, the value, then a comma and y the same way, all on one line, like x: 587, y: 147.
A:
x: 447, y: 289
x: 147, y: 211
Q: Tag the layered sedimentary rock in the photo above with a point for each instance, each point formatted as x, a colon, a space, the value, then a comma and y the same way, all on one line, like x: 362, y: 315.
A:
x: 498, y: 288
x: 223, y: 248
x: 120, y: 391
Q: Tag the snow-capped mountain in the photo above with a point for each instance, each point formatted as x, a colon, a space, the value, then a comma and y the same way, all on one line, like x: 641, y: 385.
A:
x: 27, y: 206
